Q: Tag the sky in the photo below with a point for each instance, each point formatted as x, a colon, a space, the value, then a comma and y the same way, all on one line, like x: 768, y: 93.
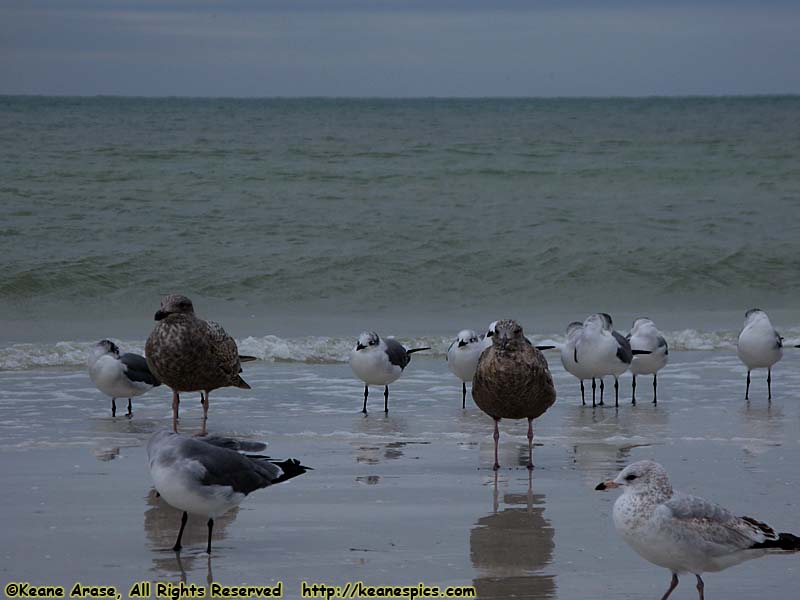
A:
x: 394, y: 48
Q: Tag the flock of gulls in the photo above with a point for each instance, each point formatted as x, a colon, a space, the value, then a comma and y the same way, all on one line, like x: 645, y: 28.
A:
x: 208, y: 475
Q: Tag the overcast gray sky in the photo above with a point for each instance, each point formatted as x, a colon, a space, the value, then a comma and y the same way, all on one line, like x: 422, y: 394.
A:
x: 394, y: 48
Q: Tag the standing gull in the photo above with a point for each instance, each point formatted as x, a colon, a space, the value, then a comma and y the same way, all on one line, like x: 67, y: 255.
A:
x: 209, y: 477
x: 119, y: 376
x: 512, y: 381
x: 603, y: 351
x: 644, y: 335
x: 760, y: 346
x: 189, y: 354
x: 377, y: 361
x: 580, y: 371
x: 682, y: 533
x: 486, y: 340
x: 462, y: 358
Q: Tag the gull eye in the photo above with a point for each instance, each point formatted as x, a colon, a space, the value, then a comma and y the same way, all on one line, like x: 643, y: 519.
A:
x: 630, y: 477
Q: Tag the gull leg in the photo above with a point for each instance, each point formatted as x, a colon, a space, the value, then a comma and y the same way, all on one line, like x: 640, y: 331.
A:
x: 583, y: 395
x: 210, y: 527
x: 130, y: 409
x: 366, y: 393
x: 594, y: 387
x: 633, y: 393
x: 496, y: 441
x: 463, y: 394
x: 386, y: 399
x: 175, y: 401
x: 177, y: 547
x: 769, y: 383
x: 530, y: 444
x: 672, y: 585
x: 747, y: 389
x: 655, y: 388
x: 616, y: 391
x: 113, y: 407
x: 700, y: 587
x: 205, y: 414
x: 602, y: 388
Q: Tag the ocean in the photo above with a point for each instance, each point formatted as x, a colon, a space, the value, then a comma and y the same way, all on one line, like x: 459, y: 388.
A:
x: 313, y: 218
x: 298, y: 223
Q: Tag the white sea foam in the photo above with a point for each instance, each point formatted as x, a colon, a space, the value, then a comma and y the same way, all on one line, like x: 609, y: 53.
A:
x: 328, y: 350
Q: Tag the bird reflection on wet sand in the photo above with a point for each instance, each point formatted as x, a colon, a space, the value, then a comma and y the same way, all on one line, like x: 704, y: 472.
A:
x: 161, y: 523
x: 508, y: 547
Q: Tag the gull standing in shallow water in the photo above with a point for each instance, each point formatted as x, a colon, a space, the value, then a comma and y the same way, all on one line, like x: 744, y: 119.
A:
x: 377, y: 361
x: 644, y: 335
x: 512, y: 381
x: 603, y: 351
x: 208, y: 476
x: 462, y: 358
x: 760, y: 346
x: 580, y: 371
x: 682, y: 533
x: 191, y: 355
x: 119, y: 376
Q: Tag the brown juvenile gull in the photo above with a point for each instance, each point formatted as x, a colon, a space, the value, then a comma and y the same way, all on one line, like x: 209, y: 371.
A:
x: 189, y: 354
x: 682, y: 533
x: 512, y: 381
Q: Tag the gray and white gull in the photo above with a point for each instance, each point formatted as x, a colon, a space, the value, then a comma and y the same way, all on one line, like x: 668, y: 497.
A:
x: 682, y: 533
x: 208, y: 477
x: 379, y: 361
x: 119, y: 375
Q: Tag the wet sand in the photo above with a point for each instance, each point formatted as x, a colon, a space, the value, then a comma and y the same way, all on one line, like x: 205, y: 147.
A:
x: 402, y: 498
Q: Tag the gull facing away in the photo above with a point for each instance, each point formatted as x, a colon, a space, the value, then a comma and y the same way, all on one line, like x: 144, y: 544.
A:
x: 567, y: 350
x: 119, y: 376
x: 645, y: 335
x: 603, y: 351
x: 760, y: 346
x: 208, y: 477
x: 462, y: 358
x: 683, y: 533
x: 512, y: 381
x: 191, y: 355
x: 377, y: 361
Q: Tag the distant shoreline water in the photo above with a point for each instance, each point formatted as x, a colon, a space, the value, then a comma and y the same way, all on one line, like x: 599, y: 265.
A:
x: 331, y: 215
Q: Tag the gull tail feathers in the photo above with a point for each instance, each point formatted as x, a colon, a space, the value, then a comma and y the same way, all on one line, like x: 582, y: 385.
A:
x: 241, y: 383
x: 786, y: 542
x: 417, y: 350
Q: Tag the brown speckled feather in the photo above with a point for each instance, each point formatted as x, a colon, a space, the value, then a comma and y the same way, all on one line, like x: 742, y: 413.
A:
x: 513, y: 384
x: 190, y: 354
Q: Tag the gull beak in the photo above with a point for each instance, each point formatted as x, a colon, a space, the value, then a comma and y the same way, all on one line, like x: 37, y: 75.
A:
x: 160, y: 315
x: 606, y: 485
x: 360, y: 346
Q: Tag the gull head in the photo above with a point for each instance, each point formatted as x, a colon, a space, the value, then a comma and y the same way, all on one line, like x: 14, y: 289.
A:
x: 106, y: 347
x: 466, y: 337
x: 367, y: 340
x: 640, y: 477
x: 754, y: 314
x: 574, y: 328
x: 507, y: 335
x: 596, y: 322
x: 174, y: 304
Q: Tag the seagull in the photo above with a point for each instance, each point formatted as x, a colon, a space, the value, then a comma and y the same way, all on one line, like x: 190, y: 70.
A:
x: 486, y: 340
x: 603, y: 351
x: 682, y: 533
x: 760, y: 346
x: 119, y: 376
x: 462, y: 358
x: 512, y: 381
x: 646, y: 336
x: 377, y: 361
x: 189, y: 354
x: 208, y: 477
x: 580, y: 371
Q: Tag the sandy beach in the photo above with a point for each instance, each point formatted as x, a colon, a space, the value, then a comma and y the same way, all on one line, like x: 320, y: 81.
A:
x: 398, y: 499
